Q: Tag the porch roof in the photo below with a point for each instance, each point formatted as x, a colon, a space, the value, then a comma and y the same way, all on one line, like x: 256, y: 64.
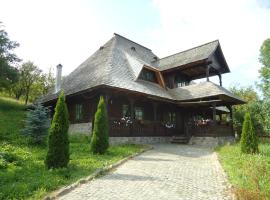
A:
x: 200, y: 91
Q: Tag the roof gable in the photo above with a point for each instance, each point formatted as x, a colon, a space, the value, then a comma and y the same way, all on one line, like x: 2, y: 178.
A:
x: 201, y: 52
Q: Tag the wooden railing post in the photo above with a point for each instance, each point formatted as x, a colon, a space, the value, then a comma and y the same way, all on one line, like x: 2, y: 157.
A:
x: 132, y: 115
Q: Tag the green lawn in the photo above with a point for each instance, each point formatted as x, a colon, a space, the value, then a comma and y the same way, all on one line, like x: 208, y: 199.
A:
x: 22, y: 171
x: 249, y: 174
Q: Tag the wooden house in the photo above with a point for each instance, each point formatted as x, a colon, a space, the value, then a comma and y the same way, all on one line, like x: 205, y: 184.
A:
x: 150, y: 98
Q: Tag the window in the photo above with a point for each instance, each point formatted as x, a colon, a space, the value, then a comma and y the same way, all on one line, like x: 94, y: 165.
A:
x: 148, y: 75
x: 180, y: 81
x: 172, y: 117
x: 78, y: 112
x: 138, y: 113
x: 125, y: 110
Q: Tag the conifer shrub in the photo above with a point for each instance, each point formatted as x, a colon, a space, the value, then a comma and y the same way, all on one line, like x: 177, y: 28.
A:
x: 100, y: 134
x: 249, y: 140
x: 37, y: 124
x: 58, y: 141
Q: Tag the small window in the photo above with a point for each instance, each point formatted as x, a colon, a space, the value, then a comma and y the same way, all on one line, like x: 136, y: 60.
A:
x: 148, y: 75
x: 79, y: 112
x: 172, y: 117
x: 125, y: 110
x: 138, y: 113
x: 181, y: 81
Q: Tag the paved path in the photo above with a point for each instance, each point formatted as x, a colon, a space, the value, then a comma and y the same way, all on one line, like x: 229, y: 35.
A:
x: 167, y: 172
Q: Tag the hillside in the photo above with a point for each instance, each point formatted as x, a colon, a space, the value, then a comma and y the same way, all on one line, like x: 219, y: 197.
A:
x: 22, y: 171
x: 12, y: 114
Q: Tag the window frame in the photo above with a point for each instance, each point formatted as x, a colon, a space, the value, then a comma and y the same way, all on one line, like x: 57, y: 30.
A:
x: 138, y: 110
x: 78, y: 112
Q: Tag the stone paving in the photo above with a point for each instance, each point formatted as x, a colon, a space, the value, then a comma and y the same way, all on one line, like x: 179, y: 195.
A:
x: 167, y: 172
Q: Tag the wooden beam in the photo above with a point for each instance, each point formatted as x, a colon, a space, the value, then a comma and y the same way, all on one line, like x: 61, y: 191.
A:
x: 198, y: 102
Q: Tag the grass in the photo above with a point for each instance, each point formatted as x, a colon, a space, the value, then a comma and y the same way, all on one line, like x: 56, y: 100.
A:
x: 22, y: 171
x: 248, y: 173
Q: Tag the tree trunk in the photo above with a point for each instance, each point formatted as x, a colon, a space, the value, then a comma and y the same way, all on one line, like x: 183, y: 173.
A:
x: 27, y: 96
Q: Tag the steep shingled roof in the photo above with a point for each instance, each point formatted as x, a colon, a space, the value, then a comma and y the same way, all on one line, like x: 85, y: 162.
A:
x: 198, y: 53
x: 118, y: 64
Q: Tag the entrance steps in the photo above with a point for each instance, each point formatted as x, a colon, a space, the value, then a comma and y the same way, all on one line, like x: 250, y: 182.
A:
x: 179, y: 140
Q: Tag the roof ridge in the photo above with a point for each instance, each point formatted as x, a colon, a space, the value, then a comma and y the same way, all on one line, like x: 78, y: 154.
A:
x: 132, y: 41
x: 110, y: 57
x: 190, y: 49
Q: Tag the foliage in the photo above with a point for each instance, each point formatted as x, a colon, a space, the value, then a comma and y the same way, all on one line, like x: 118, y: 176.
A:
x: 37, y: 124
x: 22, y: 172
x: 58, y: 143
x: 265, y: 69
x: 29, y: 74
x: 254, y: 105
x: 40, y: 83
x: 249, y: 140
x: 248, y: 173
x: 100, y: 136
x: 8, y: 73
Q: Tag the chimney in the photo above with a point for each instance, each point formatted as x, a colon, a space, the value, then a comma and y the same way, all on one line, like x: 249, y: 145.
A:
x: 58, y: 78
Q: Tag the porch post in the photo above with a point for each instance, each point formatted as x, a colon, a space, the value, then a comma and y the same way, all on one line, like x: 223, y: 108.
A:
x: 220, y: 79
x: 155, y: 111
x: 131, y: 101
x: 231, y: 117
x: 214, y: 112
x: 207, y: 72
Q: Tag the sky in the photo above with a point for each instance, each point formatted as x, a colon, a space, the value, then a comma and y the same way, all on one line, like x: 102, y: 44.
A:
x: 69, y: 31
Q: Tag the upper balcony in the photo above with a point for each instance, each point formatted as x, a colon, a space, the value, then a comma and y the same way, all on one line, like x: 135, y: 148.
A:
x: 200, y: 62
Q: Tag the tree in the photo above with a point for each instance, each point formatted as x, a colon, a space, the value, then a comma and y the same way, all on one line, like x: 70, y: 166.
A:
x: 100, y: 135
x: 264, y: 59
x: 249, y: 140
x: 254, y: 106
x: 8, y: 73
x: 37, y: 123
x: 58, y: 142
x: 29, y: 74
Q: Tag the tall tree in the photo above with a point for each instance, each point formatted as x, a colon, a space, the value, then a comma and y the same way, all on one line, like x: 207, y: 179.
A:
x: 265, y: 69
x: 58, y: 143
x: 249, y: 140
x: 8, y: 73
x: 29, y: 73
x: 100, y: 135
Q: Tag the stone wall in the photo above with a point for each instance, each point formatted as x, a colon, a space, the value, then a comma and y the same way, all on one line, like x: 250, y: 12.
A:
x: 139, y: 140
x: 211, y: 141
x: 82, y: 128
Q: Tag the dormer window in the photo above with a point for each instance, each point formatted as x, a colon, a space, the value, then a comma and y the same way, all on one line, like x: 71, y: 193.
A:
x: 148, y: 75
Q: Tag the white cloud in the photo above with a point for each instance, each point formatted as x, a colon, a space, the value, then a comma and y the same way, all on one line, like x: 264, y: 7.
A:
x: 241, y: 26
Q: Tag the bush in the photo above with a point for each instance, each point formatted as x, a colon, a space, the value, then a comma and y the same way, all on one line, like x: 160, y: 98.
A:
x: 100, y: 135
x: 37, y: 124
x: 249, y: 140
x: 58, y: 143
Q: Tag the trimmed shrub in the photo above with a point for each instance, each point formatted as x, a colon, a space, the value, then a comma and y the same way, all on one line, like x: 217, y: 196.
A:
x: 37, y: 124
x: 100, y: 135
x: 58, y: 142
x: 249, y: 140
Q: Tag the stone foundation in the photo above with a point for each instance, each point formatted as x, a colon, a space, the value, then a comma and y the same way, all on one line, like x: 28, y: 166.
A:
x: 138, y: 140
x: 82, y: 128
x: 211, y: 141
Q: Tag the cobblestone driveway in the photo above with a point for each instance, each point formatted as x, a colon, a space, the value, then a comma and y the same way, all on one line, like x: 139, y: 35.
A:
x: 166, y: 172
